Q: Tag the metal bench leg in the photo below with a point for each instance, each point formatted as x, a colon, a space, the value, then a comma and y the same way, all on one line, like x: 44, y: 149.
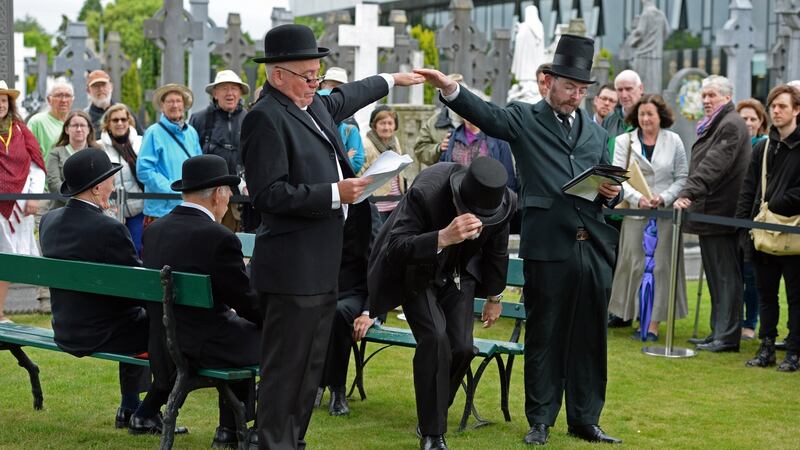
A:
x: 33, y: 374
x: 176, y: 398
x: 504, y: 373
x: 470, y: 388
x: 238, y: 412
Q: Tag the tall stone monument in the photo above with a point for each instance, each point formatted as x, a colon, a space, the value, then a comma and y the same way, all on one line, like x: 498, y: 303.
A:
x: 41, y: 69
x: 7, y: 42
x: 776, y: 57
x: 199, y: 56
x: 647, y: 44
x: 738, y: 39
x: 340, y: 56
x: 116, y: 63
x: 463, y: 45
x: 529, y: 54
x: 173, y: 30
x: 789, y: 11
x: 367, y: 37
x: 235, y: 50
x: 497, y: 62
x: 76, y: 60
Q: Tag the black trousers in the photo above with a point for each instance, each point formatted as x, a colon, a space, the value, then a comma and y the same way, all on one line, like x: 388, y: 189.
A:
x: 769, y: 270
x: 341, y: 341
x: 441, y: 321
x: 566, y: 304
x: 721, y: 262
x: 294, y: 341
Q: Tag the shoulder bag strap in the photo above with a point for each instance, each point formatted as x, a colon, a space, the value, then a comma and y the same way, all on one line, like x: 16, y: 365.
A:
x: 175, y: 138
x: 764, y: 171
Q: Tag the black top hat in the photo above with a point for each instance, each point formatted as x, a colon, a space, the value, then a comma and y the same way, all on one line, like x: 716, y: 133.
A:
x: 573, y: 58
x: 85, y: 169
x: 204, y: 171
x: 291, y: 42
x: 481, y: 190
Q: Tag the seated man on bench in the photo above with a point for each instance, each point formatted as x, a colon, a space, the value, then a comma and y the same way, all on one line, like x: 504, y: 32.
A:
x: 191, y: 239
x: 446, y: 241
x: 88, y: 323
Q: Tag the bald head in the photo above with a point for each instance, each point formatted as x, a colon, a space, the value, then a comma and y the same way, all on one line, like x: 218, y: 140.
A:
x: 629, y: 89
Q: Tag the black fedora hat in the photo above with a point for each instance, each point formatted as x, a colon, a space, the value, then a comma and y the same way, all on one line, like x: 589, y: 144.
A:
x: 573, y: 59
x: 291, y: 42
x: 481, y: 190
x: 204, y: 171
x: 85, y: 169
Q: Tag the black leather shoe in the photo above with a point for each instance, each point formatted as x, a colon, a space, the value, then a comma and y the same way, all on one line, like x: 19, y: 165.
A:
x: 765, y: 356
x: 718, y: 346
x: 592, y: 433
x: 697, y: 341
x: 123, y: 417
x: 791, y: 363
x: 435, y: 442
x: 225, y: 437
x: 338, y: 405
x: 537, y: 435
x: 318, y: 398
x: 150, y: 425
x: 618, y: 322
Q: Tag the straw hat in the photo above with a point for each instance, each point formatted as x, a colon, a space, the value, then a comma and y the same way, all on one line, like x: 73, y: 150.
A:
x: 161, y: 92
x: 12, y: 93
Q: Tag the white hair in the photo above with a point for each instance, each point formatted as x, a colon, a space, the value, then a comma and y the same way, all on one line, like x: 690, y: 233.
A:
x: 59, y: 83
x: 269, y: 67
x: 204, y: 194
x: 794, y: 83
x: 628, y: 75
x: 722, y: 85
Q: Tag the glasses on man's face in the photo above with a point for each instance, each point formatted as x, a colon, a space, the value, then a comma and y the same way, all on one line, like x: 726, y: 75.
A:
x: 119, y: 120
x: 607, y: 99
x: 63, y: 96
x: 316, y: 80
x: 78, y: 126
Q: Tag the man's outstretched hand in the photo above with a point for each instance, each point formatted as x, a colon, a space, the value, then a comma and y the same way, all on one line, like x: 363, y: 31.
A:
x: 438, y: 80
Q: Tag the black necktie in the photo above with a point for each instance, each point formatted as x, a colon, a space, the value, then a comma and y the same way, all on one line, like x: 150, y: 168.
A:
x: 564, y: 118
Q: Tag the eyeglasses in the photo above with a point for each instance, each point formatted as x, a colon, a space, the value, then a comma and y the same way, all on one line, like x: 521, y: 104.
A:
x: 119, y: 120
x: 316, y: 80
x: 78, y: 126
x: 607, y: 99
x: 572, y: 89
x: 61, y: 96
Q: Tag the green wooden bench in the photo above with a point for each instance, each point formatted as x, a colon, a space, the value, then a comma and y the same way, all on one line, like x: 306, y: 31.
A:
x: 129, y: 282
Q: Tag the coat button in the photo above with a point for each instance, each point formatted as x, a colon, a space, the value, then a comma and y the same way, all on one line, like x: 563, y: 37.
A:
x: 571, y: 157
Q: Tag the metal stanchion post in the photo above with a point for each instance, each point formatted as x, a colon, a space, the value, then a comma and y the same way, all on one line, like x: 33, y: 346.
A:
x: 669, y: 351
x: 699, y: 297
x: 121, y: 198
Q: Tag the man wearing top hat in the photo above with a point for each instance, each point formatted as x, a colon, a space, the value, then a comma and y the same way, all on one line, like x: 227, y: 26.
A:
x: 87, y: 323
x: 301, y: 182
x: 567, y: 248
x: 219, y: 126
x: 191, y: 239
x: 446, y: 241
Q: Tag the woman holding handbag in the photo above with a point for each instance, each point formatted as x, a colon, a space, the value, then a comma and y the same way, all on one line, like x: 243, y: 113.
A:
x: 771, y: 193
x: 661, y: 157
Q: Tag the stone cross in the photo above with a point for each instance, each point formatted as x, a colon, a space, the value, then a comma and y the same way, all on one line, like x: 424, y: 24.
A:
x: 499, y: 61
x: 281, y: 16
x: 199, y: 57
x: 116, y: 63
x: 789, y: 11
x: 340, y: 56
x: 6, y: 42
x: 173, y: 29
x: 21, y: 53
x: 776, y: 57
x: 367, y: 37
x: 236, y: 50
x: 398, y: 58
x: 462, y: 43
x: 39, y: 67
x: 738, y: 39
x: 77, y: 60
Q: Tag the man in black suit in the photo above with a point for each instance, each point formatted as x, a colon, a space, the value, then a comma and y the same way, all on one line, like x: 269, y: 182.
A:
x: 88, y: 323
x: 446, y: 240
x: 191, y: 239
x: 567, y: 248
x: 301, y: 182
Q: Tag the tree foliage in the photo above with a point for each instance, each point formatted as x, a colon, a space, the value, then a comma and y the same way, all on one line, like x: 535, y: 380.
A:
x: 427, y: 43
x: 89, y: 6
x: 34, y: 35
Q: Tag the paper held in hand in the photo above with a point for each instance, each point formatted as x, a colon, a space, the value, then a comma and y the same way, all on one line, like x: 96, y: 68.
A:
x: 585, y: 185
x: 382, y: 170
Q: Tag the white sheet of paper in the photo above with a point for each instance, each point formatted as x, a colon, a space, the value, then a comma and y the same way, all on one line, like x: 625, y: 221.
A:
x: 382, y: 170
x: 587, y: 189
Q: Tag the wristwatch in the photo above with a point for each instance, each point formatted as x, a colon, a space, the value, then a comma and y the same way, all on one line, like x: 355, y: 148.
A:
x: 494, y: 298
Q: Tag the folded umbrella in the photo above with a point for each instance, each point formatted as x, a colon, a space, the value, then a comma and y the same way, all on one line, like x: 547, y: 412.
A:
x: 646, y: 288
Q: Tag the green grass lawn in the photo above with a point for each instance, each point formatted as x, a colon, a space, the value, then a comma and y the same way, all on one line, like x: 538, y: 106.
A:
x: 707, y: 402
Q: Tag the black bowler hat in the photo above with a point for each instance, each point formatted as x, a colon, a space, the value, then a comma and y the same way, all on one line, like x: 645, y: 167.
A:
x: 85, y: 169
x: 481, y: 190
x: 291, y: 42
x: 573, y: 59
x: 204, y: 171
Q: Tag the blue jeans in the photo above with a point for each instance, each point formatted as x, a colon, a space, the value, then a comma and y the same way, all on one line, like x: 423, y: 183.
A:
x: 750, y: 303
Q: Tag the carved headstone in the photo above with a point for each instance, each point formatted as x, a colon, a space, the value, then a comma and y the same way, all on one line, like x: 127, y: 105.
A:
x: 76, y: 60
x: 199, y: 57
x: 410, y: 119
x: 173, y: 30
x: 789, y: 11
x: 7, y: 42
x: 683, y: 96
x: 116, y: 63
x: 738, y: 39
x: 776, y: 57
x: 463, y: 45
x: 41, y: 69
x: 340, y: 56
x: 236, y: 50
x: 647, y: 42
x: 367, y: 37
x: 398, y: 58
x: 498, y: 62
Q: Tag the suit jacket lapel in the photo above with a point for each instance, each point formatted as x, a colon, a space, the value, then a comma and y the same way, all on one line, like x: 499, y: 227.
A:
x: 344, y: 161
x: 547, y: 119
x: 586, y: 131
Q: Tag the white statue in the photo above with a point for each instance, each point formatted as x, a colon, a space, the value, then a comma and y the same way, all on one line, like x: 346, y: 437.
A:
x: 529, y: 53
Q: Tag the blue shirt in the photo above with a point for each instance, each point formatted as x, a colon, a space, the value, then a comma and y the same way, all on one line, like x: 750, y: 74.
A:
x: 160, y: 161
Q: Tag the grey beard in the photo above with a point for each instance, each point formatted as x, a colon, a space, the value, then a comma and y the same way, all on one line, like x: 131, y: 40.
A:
x: 101, y: 103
